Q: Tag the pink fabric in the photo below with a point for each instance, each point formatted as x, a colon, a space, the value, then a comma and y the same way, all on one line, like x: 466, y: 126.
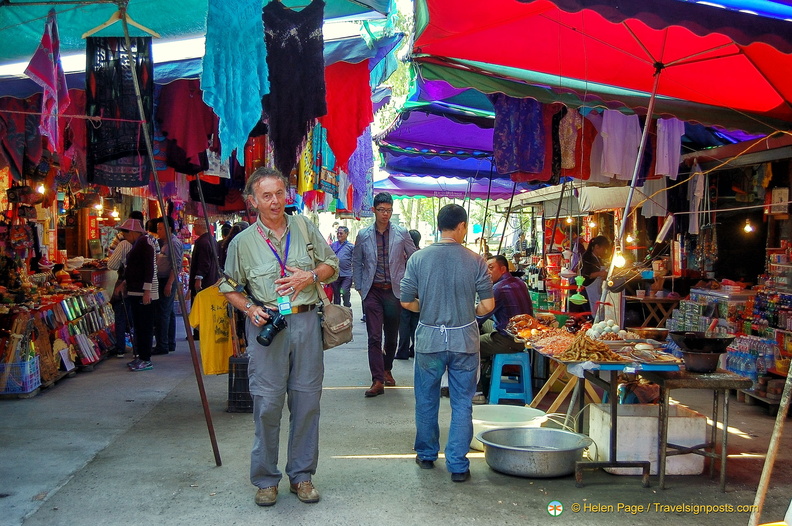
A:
x: 45, y: 70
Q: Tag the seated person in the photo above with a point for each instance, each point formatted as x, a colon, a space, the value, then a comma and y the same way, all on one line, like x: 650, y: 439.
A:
x: 511, y: 298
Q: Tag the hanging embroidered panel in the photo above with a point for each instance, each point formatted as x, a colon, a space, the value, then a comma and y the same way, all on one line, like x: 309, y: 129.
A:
x: 116, y: 148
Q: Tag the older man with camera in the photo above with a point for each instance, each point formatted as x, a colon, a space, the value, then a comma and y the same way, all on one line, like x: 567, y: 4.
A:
x: 273, y: 281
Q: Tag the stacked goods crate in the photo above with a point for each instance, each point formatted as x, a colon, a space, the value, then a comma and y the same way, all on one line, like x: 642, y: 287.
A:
x: 697, y: 313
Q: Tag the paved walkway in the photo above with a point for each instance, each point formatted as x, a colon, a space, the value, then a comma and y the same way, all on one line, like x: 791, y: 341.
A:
x: 111, y: 447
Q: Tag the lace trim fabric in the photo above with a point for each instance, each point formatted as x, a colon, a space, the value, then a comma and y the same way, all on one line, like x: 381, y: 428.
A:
x: 235, y: 73
x: 296, y: 68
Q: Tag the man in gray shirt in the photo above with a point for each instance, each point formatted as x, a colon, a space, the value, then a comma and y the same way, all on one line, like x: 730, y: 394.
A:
x: 165, y: 316
x: 447, y: 337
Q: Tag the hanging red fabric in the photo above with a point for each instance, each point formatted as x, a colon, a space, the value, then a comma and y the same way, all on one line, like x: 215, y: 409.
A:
x: 349, y: 109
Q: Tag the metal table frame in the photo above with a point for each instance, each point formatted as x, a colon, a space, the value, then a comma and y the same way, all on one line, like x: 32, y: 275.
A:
x: 611, y: 387
x: 720, y: 382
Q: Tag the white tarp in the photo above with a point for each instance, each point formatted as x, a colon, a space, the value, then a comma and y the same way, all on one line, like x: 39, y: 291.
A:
x: 579, y: 199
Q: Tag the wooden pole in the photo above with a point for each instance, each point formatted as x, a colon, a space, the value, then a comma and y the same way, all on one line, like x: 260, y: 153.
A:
x: 772, y: 450
x: 174, y: 264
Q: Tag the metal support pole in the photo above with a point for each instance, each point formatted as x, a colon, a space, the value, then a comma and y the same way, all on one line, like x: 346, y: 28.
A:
x: 506, y: 223
x: 619, y: 241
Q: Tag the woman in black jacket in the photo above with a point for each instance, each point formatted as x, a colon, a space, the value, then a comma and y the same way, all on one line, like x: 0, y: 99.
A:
x: 140, y: 269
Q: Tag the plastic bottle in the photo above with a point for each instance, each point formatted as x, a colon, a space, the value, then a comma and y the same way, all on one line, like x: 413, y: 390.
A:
x: 761, y: 364
x: 750, y: 372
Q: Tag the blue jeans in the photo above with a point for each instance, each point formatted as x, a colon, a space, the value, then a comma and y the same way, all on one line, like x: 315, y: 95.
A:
x: 341, y: 290
x: 462, y: 369
x: 122, y: 310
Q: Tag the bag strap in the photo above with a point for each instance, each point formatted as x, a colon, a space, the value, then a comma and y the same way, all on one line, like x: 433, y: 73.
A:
x: 301, y: 220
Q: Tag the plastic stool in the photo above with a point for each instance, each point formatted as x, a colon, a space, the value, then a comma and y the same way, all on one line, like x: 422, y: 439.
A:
x: 518, y: 388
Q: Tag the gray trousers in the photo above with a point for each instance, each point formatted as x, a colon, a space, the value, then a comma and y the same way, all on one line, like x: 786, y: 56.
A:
x: 293, y: 365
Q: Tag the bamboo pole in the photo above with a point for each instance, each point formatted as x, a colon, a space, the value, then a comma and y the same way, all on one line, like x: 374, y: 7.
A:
x: 772, y: 450
x: 174, y: 264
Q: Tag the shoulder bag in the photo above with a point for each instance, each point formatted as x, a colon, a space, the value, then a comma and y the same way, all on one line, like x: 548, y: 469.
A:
x: 336, y: 319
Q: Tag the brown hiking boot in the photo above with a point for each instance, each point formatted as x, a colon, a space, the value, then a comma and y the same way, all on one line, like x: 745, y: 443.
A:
x: 305, y: 491
x: 267, y: 496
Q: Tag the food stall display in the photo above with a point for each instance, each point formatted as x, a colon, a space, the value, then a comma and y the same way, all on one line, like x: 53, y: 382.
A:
x: 49, y: 324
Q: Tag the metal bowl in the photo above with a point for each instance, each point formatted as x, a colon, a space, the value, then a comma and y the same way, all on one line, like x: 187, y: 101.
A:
x: 650, y: 333
x: 701, y: 362
x: 699, y: 342
x: 533, y: 452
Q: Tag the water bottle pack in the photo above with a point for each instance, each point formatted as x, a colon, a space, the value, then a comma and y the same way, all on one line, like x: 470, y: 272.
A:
x: 749, y: 356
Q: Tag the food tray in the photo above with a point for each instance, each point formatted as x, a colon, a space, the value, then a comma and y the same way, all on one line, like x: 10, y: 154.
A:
x: 655, y: 357
x: 618, y: 344
x: 629, y: 363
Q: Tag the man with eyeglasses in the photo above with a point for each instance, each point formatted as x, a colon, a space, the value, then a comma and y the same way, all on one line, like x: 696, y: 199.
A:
x: 378, y: 262
x: 343, y: 250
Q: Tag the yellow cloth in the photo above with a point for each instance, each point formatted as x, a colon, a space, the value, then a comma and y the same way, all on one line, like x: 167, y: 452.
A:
x: 209, y: 314
x: 306, y: 178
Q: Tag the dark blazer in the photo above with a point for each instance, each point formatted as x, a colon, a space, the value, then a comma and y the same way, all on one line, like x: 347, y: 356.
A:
x: 364, y: 258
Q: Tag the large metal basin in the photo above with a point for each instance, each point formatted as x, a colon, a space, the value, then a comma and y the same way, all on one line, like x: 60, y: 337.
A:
x: 699, y: 342
x: 701, y: 362
x: 533, y: 452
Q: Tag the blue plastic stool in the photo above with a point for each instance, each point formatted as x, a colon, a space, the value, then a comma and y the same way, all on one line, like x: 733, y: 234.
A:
x: 511, y: 388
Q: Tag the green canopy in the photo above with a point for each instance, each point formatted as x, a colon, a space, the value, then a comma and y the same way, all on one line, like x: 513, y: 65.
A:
x: 21, y: 25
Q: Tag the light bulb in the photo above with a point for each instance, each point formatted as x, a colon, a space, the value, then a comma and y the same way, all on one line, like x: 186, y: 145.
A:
x: 569, y: 220
x: 748, y: 226
x: 41, y: 189
x: 592, y: 224
x: 114, y: 214
x: 629, y: 238
x: 98, y: 206
x: 618, y: 260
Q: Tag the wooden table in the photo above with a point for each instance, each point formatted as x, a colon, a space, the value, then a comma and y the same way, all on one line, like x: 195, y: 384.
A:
x: 566, y: 391
x: 659, y: 309
x: 720, y: 382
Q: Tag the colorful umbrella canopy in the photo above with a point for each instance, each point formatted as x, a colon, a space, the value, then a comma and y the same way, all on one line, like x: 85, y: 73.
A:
x: 716, y: 66
x: 450, y: 187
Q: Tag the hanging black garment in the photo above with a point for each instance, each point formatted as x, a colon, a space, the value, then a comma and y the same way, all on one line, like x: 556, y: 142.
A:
x: 116, y: 149
x: 214, y: 194
x: 296, y: 70
x: 554, y: 136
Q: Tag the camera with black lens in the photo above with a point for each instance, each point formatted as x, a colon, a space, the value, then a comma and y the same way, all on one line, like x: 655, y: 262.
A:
x: 275, y: 324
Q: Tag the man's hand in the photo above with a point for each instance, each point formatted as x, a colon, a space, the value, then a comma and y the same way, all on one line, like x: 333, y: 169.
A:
x: 146, y: 297
x: 296, y: 281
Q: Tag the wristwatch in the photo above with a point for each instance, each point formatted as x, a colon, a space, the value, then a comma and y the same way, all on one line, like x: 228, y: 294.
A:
x: 247, y: 306
x: 315, y: 277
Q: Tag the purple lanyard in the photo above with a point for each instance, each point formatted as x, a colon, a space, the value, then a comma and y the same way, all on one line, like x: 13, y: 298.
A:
x: 281, y: 262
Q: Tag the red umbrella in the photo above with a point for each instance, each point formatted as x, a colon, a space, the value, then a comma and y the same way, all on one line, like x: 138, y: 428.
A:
x: 715, y: 66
